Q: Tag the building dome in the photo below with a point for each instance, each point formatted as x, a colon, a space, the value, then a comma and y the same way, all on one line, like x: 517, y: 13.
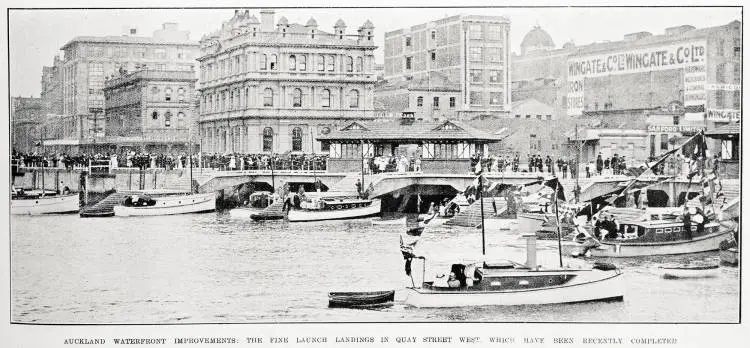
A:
x: 283, y: 21
x: 367, y: 25
x: 311, y: 23
x: 253, y: 20
x: 339, y: 23
x: 537, y: 40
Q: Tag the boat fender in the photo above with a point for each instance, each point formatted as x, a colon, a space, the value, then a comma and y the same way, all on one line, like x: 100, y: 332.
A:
x: 604, y: 266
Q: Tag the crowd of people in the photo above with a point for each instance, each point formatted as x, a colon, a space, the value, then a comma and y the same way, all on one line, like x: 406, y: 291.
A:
x: 239, y: 161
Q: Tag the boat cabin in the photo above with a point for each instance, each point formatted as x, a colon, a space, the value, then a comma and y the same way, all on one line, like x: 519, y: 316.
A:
x: 659, y: 231
x: 497, y: 276
x: 334, y: 203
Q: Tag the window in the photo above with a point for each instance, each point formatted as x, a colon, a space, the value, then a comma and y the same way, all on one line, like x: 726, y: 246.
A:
x: 268, y: 97
x: 168, y: 94
x: 360, y: 64
x: 292, y: 62
x: 181, y: 119
x: 676, y: 120
x: 263, y: 62
x: 331, y: 62
x: 302, y: 63
x: 494, y: 32
x: 408, y: 41
x: 167, y: 119
x: 321, y: 63
x: 297, y: 98
x: 737, y: 76
x: 475, y: 98
x: 435, y: 102
x: 408, y: 63
x: 495, y: 54
x: 349, y: 64
x: 538, y: 117
x: 273, y: 63
x: 420, y: 101
x: 354, y: 99
x: 720, y: 73
x: 496, y: 98
x: 120, y: 52
x: 737, y: 48
x: 720, y: 48
x: 528, y: 116
x: 236, y: 64
x: 475, y: 54
x: 736, y: 100
x: 432, y: 56
x: 181, y: 94
x: 297, y: 139
x: 476, y: 75
x: 155, y: 115
x: 475, y: 31
x: 432, y: 34
x: 325, y: 98
x: 496, y: 76
x: 139, y: 52
x: 155, y: 93
x: 664, y: 142
x: 452, y: 102
x: 267, y: 139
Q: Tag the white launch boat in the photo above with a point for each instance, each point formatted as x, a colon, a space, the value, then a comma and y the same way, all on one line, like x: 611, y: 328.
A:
x: 168, y: 205
x: 332, y: 208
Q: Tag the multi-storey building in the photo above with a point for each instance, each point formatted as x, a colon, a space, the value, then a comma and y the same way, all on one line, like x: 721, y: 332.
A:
x: 150, y: 110
x: 466, y: 52
x: 26, y: 123
x: 274, y: 87
x: 52, y: 87
x: 89, y: 60
x: 683, y: 80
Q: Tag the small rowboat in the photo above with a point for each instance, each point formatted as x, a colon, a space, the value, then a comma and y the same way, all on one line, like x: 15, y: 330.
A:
x: 378, y: 221
x: 701, y: 270
x: 729, y: 257
x: 368, y: 299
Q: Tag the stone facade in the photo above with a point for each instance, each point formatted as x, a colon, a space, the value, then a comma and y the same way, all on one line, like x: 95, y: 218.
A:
x: 469, y: 51
x: 150, y: 110
x: 273, y: 87
x: 52, y: 87
x: 89, y: 61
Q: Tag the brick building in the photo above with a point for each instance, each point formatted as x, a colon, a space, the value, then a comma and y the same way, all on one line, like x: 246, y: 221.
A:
x: 269, y: 86
x: 26, y: 123
x: 465, y: 51
x: 150, y: 110
x: 88, y: 60
x: 52, y: 87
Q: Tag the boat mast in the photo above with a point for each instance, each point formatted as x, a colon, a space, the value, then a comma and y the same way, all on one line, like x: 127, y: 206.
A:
x: 362, y: 168
x: 557, y: 218
x: 190, y: 161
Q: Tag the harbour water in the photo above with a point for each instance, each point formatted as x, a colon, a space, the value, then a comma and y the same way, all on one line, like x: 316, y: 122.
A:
x: 208, y: 268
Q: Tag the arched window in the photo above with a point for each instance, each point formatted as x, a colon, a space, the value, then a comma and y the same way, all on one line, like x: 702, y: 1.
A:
x: 354, y: 99
x: 267, y: 139
x: 268, y: 97
x: 167, y: 119
x: 168, y: 94
x: 180, y: 119
x: 263, y: 62
x: 273, y: 63
x: 293, y: 62
x: 349, y: 64
x: 321, y: 63
x: 302, y: 62
x: 297, y: 98
x: 325, y: 98
x: 181, y: 94
x: 297, y: 139
x: 360, y: 64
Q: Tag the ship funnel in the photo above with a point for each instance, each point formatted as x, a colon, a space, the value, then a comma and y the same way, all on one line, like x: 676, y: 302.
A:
x: 530, y: 250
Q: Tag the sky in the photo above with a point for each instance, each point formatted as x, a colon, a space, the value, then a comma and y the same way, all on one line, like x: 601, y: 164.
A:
x: 35, y: 36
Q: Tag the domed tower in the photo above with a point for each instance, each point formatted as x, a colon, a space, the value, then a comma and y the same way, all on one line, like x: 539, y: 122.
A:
x: 366, y: 32
x: 340, y: 28
x: 283, y: 25
x: 312, y: 27
x: 536, y: 40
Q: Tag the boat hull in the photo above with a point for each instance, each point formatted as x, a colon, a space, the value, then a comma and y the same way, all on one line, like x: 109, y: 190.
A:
x: 588, y: 286
x: 352, y: 213
x: 689, y: 272
x: 704, y: 243
x: 360, y: 299
x: 729, y: 256
x: 172, y: 205
x: 45, y: 205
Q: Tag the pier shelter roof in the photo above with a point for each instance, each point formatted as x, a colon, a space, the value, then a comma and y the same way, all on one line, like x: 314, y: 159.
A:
x: 725, y: 132
x: 410, y: 131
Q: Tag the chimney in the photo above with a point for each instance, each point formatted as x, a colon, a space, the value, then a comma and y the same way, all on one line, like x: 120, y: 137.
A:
x: 530, y: 250
x: 266, y: 20
x: 133, y: 31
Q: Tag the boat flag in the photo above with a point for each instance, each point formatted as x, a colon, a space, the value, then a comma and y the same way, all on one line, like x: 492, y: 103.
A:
x: 554, y: 184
